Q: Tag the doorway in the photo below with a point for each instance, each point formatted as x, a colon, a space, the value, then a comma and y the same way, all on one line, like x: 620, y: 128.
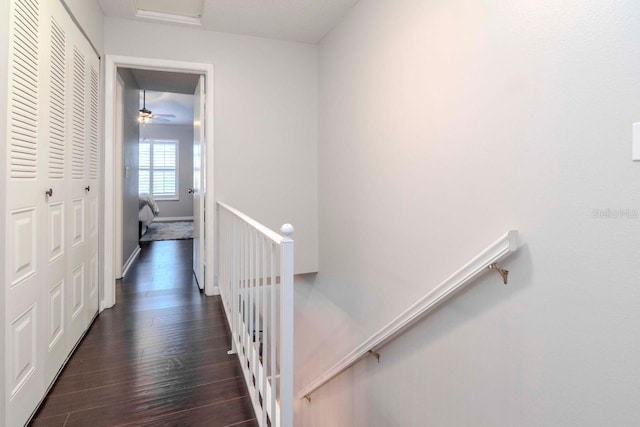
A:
x: 156, y: 168
x: 158, y: 73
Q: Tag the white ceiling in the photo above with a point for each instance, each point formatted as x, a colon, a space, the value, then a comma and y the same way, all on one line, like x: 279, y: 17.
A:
x: 167, y: 93
x: 296, y: 20
x: 166, y: 81
x: 177, y: 104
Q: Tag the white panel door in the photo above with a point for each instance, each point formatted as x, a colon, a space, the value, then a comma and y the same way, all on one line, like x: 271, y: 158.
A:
x: 199, y: 180
x: 92, y: 167
x: 26, y: 204
x: 54, y: 249
x: 82, y: 264
x: 78, y: 203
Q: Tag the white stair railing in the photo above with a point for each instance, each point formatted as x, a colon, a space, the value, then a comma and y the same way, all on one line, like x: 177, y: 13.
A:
x: 255, y: 278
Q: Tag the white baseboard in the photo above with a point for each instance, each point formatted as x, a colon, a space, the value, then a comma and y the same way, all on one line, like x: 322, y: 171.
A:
x: 172, y: 218
x: 130, y: 261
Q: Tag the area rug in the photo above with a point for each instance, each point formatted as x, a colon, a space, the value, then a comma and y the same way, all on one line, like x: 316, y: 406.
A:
x: 175, y: 230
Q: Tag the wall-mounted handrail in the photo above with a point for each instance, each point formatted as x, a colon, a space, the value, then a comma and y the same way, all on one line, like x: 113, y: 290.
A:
x: 487, y: 259
x: 255, y: 278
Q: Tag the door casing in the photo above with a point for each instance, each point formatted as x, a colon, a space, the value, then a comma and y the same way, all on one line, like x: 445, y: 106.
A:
x: 109, y: 190
x: 199, y: 176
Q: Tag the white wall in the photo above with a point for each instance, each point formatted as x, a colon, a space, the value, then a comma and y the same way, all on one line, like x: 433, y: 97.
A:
x: 184, y: 135
x: 443, y: 124
x: 264, y: 120
x: 130, y: 165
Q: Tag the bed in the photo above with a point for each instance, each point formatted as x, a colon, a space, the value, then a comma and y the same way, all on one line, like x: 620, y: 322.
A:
x: 148, y: 211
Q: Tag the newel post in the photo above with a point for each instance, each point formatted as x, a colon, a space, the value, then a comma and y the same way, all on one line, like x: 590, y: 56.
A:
x: 286, y: 303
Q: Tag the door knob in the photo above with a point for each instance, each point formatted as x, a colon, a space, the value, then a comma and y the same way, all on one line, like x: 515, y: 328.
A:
x: 87, y: 188
x: 191, y: 191
x: 49, y: 192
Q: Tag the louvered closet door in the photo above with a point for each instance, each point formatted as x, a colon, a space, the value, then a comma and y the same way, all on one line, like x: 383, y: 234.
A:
x: 55, y: 247
x: 92, y: 164
x: 52, y: 181
x: 83, y: 190
x: 77, y: 265
x: 27, y: 204
x: 72, y: 126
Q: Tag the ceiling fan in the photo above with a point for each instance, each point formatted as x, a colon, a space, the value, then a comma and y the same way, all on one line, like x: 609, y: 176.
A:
x: 146, y: 116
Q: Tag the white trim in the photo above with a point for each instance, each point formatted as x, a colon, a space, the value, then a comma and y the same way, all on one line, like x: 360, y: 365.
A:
x: 130, y: 261
x: 499, y: 250
x: 172, y: 218
x: 119, y: 234
x: 112, y: 62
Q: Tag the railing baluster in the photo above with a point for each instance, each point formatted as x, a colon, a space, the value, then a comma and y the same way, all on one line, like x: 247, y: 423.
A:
x: 251, y: 328
x: 274, y: 337
x: 245, y: 287
x: 256, y: 320
x: 264, y: 333
x: 267, y: 349
x: 240, y: 288
x: 234, y: 286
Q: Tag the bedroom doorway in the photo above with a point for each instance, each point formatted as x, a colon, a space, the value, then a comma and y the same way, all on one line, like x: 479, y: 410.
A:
x: 162, y: 162
x: 155, y: 144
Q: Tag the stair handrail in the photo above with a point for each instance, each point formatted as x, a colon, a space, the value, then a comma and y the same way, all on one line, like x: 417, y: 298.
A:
x: 487, y: 259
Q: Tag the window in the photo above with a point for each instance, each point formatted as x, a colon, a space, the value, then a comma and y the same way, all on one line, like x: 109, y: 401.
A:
x: 158, y: 168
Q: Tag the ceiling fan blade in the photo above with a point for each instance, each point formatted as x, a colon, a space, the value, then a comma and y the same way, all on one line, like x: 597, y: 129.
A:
x: 159, y: 120
x: 173, y: 116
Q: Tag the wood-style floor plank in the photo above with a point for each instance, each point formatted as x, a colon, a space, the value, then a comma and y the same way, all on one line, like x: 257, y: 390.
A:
x: 248, y: 423
x: 55, y: 421
x: 158, y: 402
x: 216, y: 415
x: 170, y: 368
x: 158, y: 358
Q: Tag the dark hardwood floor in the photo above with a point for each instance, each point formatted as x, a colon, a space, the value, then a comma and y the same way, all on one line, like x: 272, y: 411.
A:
x: 158, y: 358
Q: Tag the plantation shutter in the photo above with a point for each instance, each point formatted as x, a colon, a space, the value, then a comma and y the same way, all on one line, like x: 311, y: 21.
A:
x: 164, y: 169
x: 144, y: 179
x: 158, y: 168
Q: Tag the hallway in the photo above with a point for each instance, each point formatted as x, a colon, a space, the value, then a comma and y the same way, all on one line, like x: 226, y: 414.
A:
x: 158, y: 358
